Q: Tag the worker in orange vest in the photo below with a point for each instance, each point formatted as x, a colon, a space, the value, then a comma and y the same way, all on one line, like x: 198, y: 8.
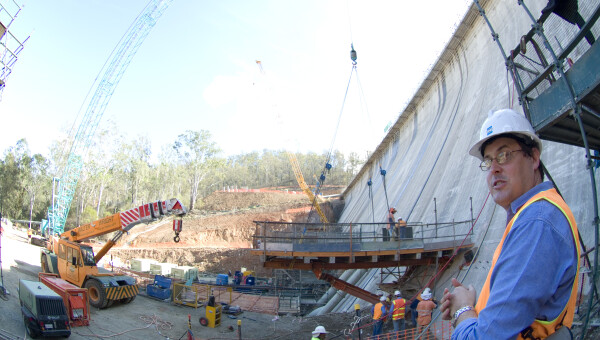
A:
x: 379, y: 313
x: 397, y: 312
x: 531, y: 288
x: 425, y: 309
x: 400, y: 229
x: 387, y: 231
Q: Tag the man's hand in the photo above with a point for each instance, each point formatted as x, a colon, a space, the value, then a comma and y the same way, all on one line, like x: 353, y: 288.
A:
x: 461, y: 296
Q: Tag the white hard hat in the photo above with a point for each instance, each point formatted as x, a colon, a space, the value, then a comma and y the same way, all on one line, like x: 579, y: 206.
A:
x: 501, y: 122
x: 320, y: 330
x: 426, y: 296
x: 397, y: 293
x: 382, y: 298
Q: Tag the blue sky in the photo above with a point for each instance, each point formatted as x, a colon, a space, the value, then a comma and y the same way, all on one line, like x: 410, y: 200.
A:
x: 197, y: 70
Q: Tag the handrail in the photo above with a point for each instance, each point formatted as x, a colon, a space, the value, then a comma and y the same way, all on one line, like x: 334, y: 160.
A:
x: 351, y: 234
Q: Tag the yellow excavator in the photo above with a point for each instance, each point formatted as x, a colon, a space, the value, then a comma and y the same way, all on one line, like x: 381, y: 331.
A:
x: 76, y: 263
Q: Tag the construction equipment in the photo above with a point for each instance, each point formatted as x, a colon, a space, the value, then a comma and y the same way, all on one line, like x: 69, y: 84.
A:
x: 300, y: 179
x: 212, y: 317
x: 75, y: 298
x: 298, y: 173
x: 10, y: 45
x: 102, y: 91
x: 43, y: 310
x: 76, y: 263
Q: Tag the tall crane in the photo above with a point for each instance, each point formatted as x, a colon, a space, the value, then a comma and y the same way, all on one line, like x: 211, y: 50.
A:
x: 298, y: 172
x: 305, y: 188
x: 10, y: 45
x: 104, y: 87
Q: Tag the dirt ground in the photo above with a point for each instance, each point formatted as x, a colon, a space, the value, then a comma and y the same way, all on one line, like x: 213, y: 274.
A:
x: 215, y: 239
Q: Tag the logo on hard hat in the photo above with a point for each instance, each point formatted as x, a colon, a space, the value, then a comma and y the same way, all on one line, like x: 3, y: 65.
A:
x: 490, y: 130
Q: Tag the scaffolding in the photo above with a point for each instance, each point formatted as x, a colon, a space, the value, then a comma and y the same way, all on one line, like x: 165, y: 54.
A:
x: 557, y: 81
x: 10, y: 45
x: 327, y: 248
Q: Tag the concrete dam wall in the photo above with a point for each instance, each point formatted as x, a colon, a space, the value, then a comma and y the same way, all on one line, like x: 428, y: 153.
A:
x: 429, y: 173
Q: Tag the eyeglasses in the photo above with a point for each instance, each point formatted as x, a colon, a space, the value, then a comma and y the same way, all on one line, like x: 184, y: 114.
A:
x: 502, y: 158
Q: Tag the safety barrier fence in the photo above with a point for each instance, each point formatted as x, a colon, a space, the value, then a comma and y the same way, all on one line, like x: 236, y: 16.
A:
x: 441, y: 330
x: 353, y: 236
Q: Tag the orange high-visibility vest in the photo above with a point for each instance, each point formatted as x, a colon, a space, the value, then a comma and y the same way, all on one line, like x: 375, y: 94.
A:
x: 541, y: 329
x: 399, y: 306
x: 378, y: 311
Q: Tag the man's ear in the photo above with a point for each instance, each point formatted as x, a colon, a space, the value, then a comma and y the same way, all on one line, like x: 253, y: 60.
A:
x: 535, y: 155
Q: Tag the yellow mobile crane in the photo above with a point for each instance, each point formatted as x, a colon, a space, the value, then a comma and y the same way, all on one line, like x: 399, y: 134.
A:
x: 76, y: 263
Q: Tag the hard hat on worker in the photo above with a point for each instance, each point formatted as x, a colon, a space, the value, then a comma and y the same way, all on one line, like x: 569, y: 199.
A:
x: 382, y: 298
x: 320, y: 330
x: 505, y: 121
x: 397, y: 293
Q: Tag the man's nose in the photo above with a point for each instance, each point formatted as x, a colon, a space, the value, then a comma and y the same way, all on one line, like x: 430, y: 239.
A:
x: 496, y: 167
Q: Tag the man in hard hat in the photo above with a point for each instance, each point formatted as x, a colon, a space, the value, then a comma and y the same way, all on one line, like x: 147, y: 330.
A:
x: 391, y: 222
x: 319, y: 333
x: 400, y: 229
x: 531, y: 286
x: 379, y: 313
x: 425, y: 309
x: 397, y: 312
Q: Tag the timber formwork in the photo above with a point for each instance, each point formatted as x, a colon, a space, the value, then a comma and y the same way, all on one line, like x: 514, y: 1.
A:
x: 326, y: 247
x: 310, y: 246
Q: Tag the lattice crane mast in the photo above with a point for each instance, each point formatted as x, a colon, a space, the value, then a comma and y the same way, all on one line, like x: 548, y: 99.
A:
x: 10, y: 45
x: 104, y: 86
x: 304, y: 186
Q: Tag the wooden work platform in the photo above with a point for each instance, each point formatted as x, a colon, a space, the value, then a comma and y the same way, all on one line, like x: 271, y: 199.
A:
x: 361, y: 255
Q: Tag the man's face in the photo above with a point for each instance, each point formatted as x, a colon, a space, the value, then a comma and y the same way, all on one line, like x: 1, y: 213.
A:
x: 512, y: 179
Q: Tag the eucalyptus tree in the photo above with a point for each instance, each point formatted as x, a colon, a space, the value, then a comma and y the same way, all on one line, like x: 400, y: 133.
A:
x: 23, y: 180
x: 197, y: 154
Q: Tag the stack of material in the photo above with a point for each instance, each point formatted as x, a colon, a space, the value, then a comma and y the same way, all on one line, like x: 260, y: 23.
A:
x: 255, y: 303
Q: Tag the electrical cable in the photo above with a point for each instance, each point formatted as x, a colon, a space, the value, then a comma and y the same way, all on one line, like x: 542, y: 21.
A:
x: 455, y: 108
x: 149, y: 320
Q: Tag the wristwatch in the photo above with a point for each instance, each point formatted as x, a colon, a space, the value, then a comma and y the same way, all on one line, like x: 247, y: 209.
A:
x: 459, y: 312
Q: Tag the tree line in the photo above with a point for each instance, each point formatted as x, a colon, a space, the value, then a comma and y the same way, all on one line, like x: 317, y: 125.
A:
x: 120, y: 174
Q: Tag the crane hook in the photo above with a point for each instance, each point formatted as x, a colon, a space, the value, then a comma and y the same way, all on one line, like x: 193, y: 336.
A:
x: 353, y: 54
x: 177, y: 226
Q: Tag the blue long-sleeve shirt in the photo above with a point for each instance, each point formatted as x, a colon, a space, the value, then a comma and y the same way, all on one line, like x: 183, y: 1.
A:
x: 533, y: 276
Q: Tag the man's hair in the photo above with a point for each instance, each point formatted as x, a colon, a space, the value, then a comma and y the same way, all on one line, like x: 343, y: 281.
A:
x: 526, y: 144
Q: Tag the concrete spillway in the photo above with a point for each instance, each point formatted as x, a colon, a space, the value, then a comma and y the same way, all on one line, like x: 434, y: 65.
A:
x: 425, y: 154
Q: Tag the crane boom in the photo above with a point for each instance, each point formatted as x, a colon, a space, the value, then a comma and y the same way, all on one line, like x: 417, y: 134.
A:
x: 104, y: 88
x: 304, y: 186
x: 76, y: 263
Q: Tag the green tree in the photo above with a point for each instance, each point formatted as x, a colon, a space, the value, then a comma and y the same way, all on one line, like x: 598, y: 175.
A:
x: 198, y: 155
x: 23, y: 178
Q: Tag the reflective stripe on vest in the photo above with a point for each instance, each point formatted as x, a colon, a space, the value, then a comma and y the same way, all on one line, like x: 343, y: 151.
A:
x: 541, y: 329
x: 399, y: 309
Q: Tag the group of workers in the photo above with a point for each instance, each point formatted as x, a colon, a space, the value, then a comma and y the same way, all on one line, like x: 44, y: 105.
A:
x: 399, y: 227
x: 531, y: 288
x: 421, y: 309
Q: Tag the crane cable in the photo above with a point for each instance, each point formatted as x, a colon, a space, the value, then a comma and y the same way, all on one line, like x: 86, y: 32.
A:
x: 383, y: 173
x: 327, y: 168
x: 370, y: 184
